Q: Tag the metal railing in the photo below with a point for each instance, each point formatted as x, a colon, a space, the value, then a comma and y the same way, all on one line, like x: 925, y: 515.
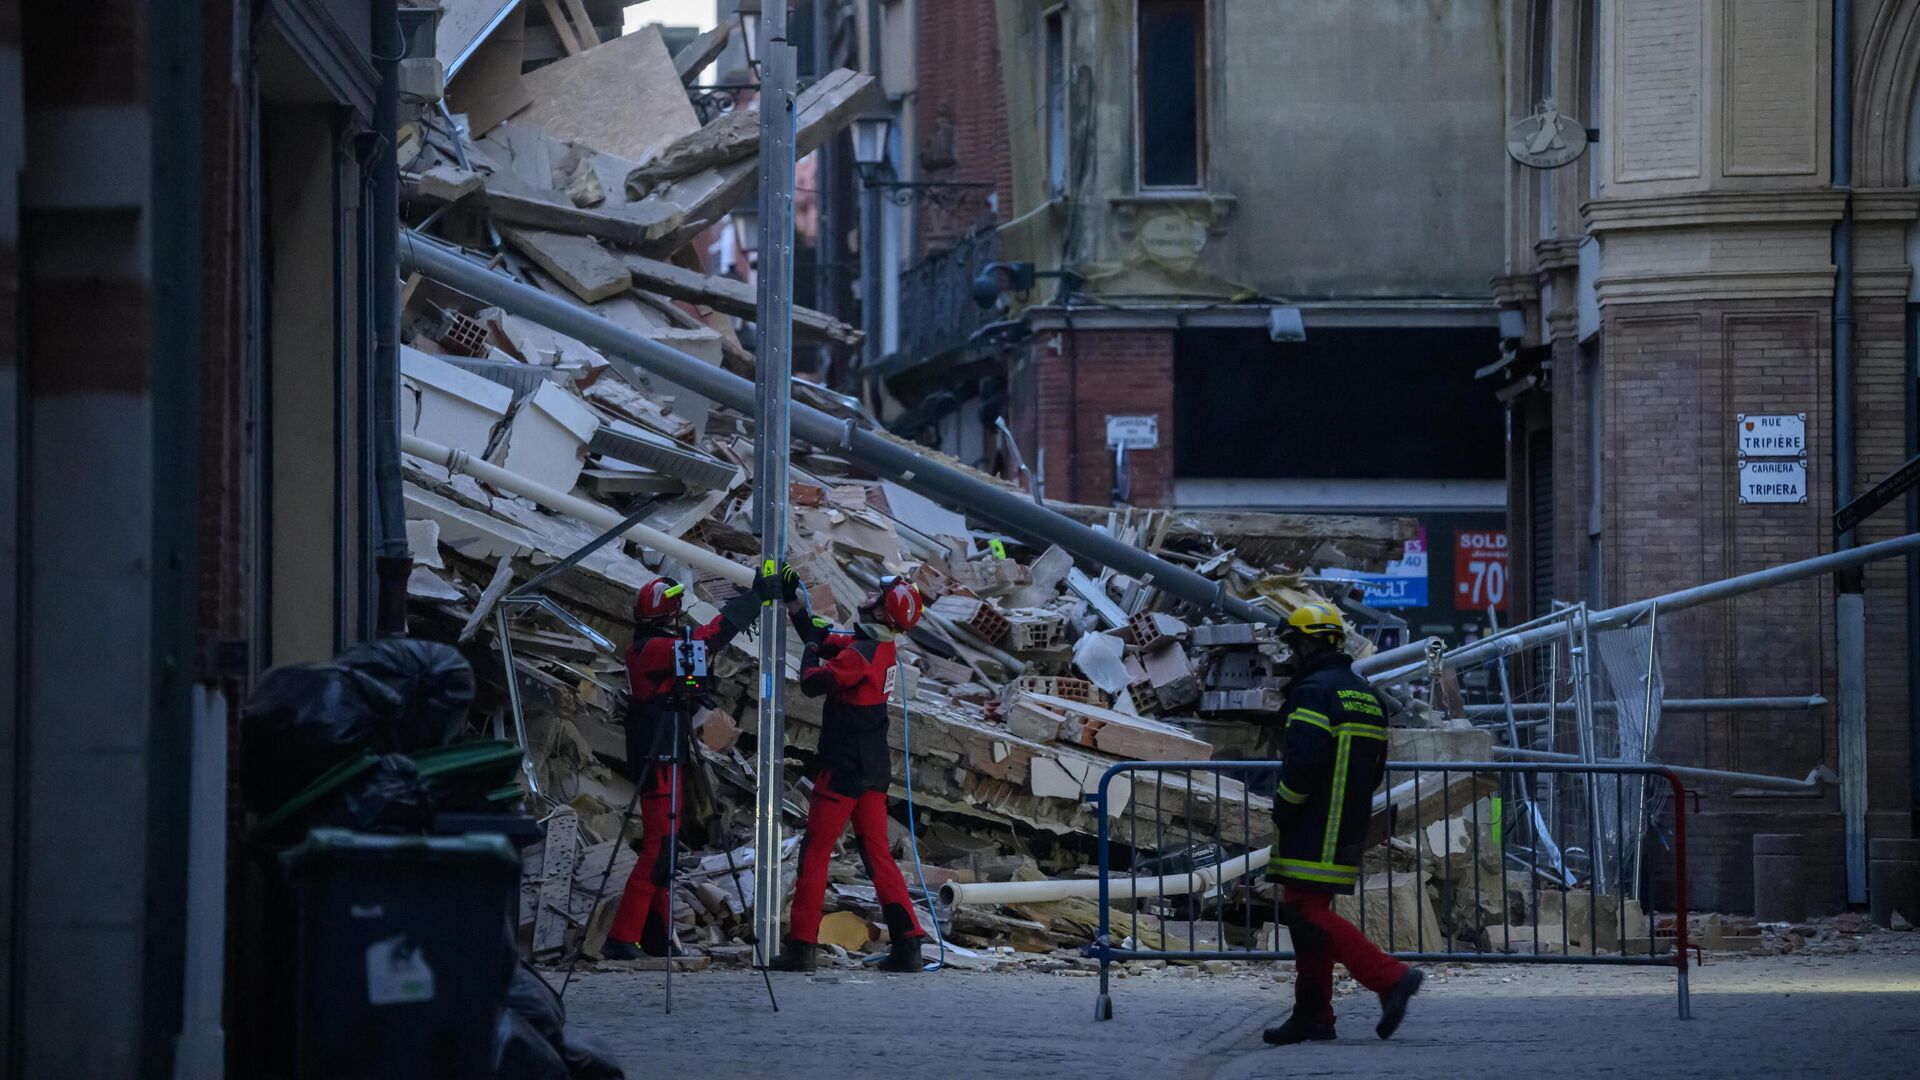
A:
x: 1510, y: 891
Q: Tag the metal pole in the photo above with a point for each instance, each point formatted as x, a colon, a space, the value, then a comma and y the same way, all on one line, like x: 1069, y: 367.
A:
x: 392, y: 561
x: 1646, y: 744
x: 1532, y: 711
x: 1520, y: 638
x: 771, y: 443
x: 1579, y: 652
x: 1850, y: 608
x: 501, y: 631
x: 902, y: 463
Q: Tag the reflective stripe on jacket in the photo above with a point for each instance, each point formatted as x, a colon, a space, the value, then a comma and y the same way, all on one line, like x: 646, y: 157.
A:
x: 1334, y: 754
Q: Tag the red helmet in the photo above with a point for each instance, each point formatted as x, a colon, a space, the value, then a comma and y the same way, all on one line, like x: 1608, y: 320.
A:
x: 899, y: 603
x: 658, y: 600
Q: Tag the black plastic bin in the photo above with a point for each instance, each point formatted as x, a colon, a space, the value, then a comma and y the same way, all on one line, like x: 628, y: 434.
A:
x: 403, y: 952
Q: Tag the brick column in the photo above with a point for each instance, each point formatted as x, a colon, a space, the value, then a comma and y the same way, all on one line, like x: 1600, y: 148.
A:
x: 1077, y: 379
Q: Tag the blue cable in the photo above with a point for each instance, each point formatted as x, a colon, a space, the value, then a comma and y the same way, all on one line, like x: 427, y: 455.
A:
x: 913, y: 840
x: 906, y: 751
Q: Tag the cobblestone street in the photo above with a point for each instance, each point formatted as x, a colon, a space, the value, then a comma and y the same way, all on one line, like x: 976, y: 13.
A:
x: 1854, y: 1014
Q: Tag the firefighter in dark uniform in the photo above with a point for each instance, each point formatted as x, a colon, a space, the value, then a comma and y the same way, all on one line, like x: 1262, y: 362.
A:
x: 1333, y: 756
x: 854, y: 671
x: 660, y: 709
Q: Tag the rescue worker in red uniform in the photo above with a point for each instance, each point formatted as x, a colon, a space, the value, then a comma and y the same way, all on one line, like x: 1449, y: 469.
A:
x: 1334, y: 754
x: 853, y: 670
x: 660, y: 709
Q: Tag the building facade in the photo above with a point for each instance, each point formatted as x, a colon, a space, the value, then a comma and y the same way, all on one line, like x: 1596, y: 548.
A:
x: 1678, y: 284
x: 1263, y: 232
x: 188, y: 401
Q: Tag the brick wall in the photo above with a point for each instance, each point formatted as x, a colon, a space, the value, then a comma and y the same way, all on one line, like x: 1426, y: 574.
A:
x: 961, y: 114
x: 1675, y: 378
x: 1071, y: 383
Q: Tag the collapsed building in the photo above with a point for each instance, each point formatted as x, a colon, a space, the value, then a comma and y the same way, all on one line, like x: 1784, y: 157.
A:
x: 561, y: 452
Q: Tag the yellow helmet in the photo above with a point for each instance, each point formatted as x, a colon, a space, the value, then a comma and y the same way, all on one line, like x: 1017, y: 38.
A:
x: 1319, y: 620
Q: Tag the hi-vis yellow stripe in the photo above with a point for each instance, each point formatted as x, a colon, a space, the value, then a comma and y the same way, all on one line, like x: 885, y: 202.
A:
x: 1309, y: 716
x: 1337, y: 803
x: 1289, y: 794
x: 1304, y: 870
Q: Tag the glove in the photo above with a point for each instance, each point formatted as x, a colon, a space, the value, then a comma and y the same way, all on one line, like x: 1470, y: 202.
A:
x: 810, y: 656
x: 789, y: 584
x: 742, y: 612
x: 766, y: 586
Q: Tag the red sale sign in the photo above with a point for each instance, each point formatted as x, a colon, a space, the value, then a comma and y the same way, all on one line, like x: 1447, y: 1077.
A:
x: 1480, y: 570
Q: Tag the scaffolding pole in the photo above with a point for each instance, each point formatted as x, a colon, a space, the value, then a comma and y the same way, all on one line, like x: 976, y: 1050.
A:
x: 771, y: 443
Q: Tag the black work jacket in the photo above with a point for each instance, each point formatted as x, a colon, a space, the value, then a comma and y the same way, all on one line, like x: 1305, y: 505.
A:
x: 854, y: 671
x: 1334, y: 754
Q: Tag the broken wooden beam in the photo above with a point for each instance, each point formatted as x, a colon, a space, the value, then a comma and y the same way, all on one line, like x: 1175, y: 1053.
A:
x: 628, y: 226
x: 826, y: 107
x: 730, y: 296
x: 689, y: 62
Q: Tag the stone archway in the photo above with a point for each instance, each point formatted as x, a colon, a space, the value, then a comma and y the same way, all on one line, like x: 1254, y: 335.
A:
x: 1886, y: 76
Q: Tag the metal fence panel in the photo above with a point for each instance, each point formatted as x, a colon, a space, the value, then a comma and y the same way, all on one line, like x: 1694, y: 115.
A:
x: 1449, y: 874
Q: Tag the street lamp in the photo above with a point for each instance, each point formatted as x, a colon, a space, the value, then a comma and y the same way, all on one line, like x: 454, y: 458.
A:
x: 749, y: 11
x: 870, y: 136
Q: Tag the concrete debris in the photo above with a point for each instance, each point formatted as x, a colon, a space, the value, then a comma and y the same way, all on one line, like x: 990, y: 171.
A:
x: 1030, y: 677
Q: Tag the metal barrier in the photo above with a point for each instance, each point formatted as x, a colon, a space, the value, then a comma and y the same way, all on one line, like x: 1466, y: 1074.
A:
x: 1430, y: 819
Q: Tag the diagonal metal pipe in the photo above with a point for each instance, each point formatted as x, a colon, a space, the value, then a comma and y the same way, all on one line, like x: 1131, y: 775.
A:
x: 909, y: 468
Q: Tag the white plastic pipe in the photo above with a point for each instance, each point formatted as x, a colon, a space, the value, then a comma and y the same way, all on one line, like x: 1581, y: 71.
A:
x: 591, y: 513
x: 956, y: 893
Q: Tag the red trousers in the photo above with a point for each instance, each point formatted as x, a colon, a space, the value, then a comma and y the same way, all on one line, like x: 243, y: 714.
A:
x: 1320, y: 938
x: 827, y: 816
x: 646, y: 895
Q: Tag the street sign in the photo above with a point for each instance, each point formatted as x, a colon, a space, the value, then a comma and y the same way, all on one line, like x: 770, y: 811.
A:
x: 1133, y: 432
x: 1773, y: 481
x: 1773, y: 435
x: 1883, y: 493
x: 1481, y: 570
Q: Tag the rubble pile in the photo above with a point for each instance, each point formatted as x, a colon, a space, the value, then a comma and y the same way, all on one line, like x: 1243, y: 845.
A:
x: 593, y: 180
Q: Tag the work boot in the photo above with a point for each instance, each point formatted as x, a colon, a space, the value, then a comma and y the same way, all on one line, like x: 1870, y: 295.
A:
x: 655, y: 941
x: 620, y: 950
x: 904, y: 956
x: 1297, y: 1030
x: 801, y: 956
x: 1393, y: 1003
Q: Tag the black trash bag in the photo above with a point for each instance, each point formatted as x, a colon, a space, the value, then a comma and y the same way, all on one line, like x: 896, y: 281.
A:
x: 390, y: 797
x: 588, y: 1059
x: 300, y: 721
x: 426, y: 688
x: 522, y: 1053
x: 530, y: 996
x: 395, y: 695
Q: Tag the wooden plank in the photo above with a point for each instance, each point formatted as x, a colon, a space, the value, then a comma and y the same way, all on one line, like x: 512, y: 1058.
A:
x: 577, y: 262
x: 727, y: 139
x: 825, y: 108
x: 700, y: 52
x: 626, y: 226
x: 562, y: 28
x: 582, y: 24
x: 488, y: 88
x: 622, y: 98
x: 731, y: 296
x: 551, y: 918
